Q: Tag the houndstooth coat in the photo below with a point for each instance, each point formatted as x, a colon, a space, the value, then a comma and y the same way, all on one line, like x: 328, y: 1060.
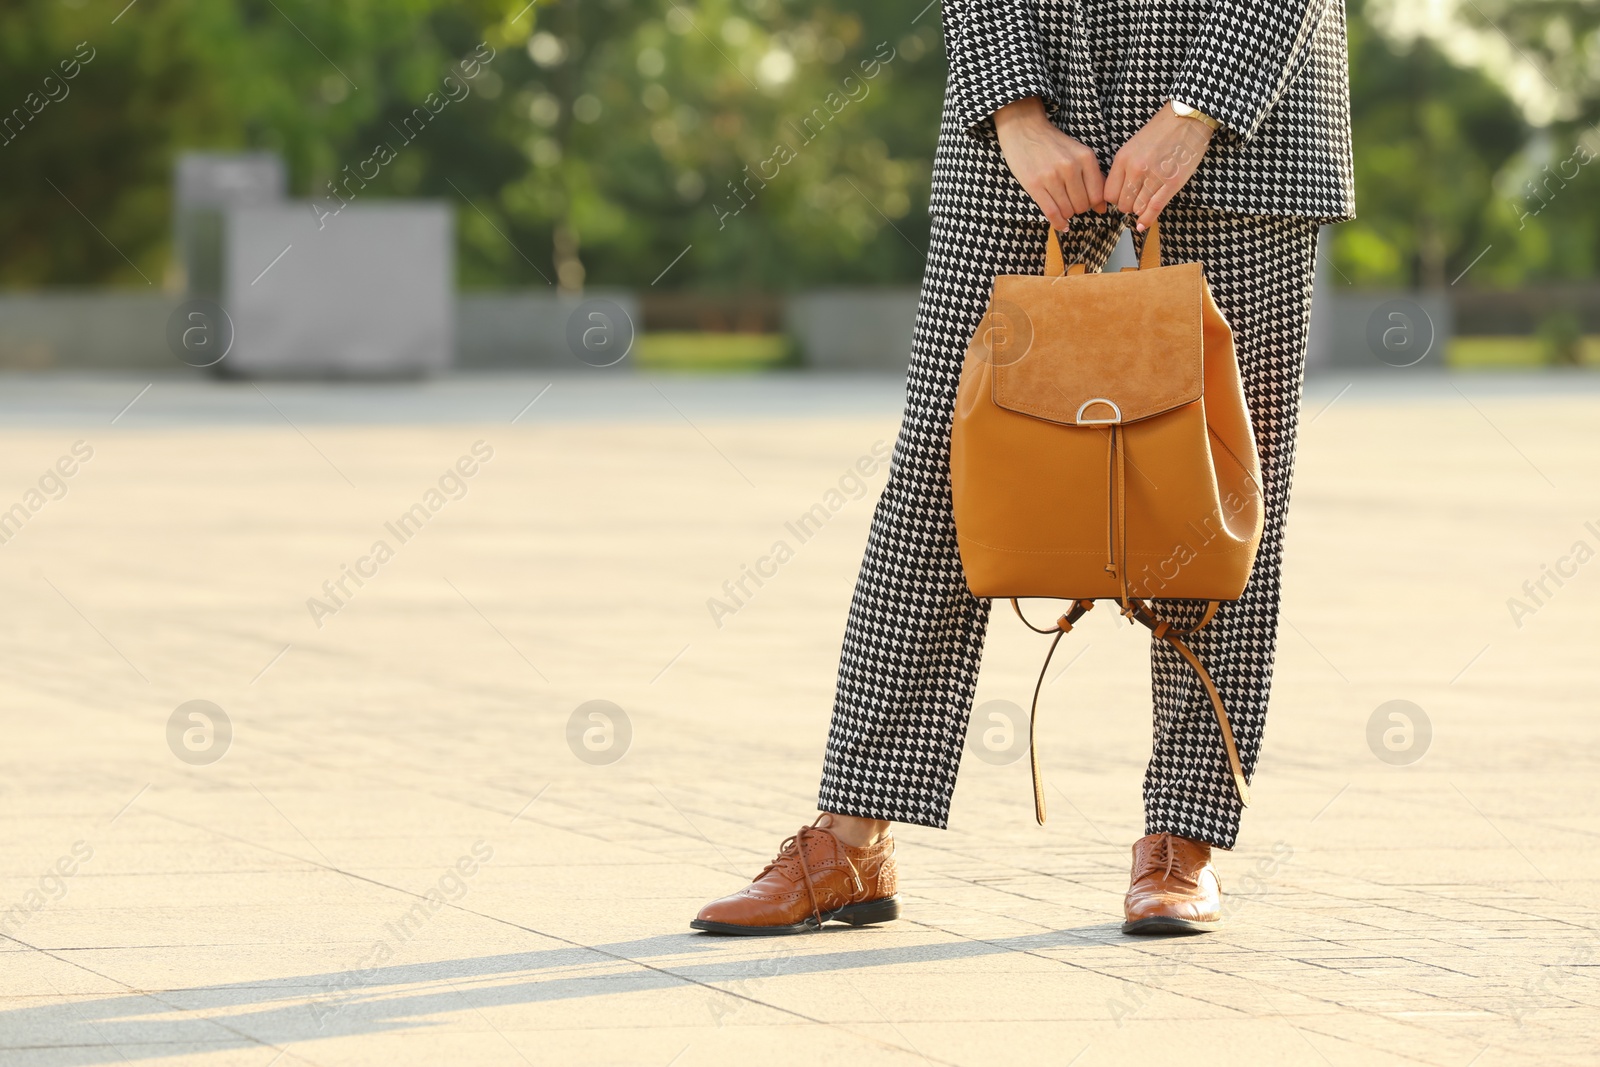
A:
x: 1273, y: 71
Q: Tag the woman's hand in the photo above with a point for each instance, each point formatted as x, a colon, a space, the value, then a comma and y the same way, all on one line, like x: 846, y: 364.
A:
x: 1059, y: 172
x: 1155, y: 164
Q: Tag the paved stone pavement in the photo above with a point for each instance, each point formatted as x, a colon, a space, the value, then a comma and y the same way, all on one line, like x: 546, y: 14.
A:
x: 410, y: 851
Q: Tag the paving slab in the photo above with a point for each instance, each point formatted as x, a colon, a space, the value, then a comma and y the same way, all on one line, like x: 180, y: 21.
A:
x: 400, y: 849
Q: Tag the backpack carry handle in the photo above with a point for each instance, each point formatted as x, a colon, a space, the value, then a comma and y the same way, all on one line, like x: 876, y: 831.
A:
x: 1055, y: 263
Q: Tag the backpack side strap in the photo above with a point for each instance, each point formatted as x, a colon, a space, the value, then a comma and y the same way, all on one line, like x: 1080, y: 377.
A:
x: 1136, y: 611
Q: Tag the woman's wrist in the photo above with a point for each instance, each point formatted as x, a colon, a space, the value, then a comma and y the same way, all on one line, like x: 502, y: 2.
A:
x: 1184, y: 111
x: 1027, y: 112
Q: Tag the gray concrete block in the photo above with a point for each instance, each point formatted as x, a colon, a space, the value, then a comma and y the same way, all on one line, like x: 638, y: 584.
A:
x: 204, y: 184
x: 91, y: 329
x: 1391, y: 330
x: 367, y: 292
x: 508, y: 331
x: 1374, y: 329
x: 854, y: 329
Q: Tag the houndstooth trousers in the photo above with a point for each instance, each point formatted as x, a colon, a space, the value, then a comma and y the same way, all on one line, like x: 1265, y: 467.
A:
x: 914, y: 637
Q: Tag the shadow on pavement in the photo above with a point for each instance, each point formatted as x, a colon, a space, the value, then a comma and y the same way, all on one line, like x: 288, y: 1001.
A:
x: 287, y: 1011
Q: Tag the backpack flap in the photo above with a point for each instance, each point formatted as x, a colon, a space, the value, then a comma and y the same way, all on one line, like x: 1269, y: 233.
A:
x: 1098, y: 349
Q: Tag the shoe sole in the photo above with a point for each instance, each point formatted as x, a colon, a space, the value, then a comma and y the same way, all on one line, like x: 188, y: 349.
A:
x: 1168, y: 925
x: 866, y: 914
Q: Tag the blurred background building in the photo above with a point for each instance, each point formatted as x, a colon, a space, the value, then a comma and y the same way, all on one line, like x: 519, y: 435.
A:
x: 747, y: 179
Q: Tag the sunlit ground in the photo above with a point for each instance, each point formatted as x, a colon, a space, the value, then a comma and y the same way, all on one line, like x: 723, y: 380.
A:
x: 390, y: 837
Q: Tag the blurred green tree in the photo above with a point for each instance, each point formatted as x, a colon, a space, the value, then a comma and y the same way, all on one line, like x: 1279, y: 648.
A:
x: 1557, y: 182
x: 597, y: 144
x: 85, y: 183
x: 724, y: 144
x: 768, y: 144
x: 1451, y: 176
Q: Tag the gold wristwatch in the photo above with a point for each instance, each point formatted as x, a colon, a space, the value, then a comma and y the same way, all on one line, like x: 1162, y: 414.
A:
x: 1183, y: 110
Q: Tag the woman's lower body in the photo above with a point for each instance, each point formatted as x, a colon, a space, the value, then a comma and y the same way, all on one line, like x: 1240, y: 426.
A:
x: 914, y: 638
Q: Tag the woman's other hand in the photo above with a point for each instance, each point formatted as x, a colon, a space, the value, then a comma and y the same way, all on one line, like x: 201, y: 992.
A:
x: 1155, y: 163
x: 1059, y: 172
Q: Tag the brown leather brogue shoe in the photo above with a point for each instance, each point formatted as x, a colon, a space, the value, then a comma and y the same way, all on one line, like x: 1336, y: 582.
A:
x: 815, y: 878
x: 1174, y: 888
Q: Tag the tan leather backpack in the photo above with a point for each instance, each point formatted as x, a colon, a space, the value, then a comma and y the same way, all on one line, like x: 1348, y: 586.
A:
x: 1101, y: 448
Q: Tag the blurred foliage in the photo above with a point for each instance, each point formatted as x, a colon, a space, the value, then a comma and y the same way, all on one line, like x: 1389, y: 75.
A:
x: 716, y: 352
x: 780, y: 143
x: 720, y: 144
x: 1449, y: 176
x: 1561, y: 335
x: 1492, y: 352
x: 1562, y: 39
x: 87, y: 179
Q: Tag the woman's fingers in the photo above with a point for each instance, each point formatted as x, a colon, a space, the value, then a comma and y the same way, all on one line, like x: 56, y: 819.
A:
x: 1158, y: 204
x: 1084, y: 181
x: 1132, y: 186
x: 1061, y: 174
x: 1064, y: 191
x: 1115, y: 178
x: 1056, y: 208
x: 1155, y: 163
x: 1123, y: 182
x: 1094, y: 184
x: 1072, y: 187
x: 1087, y: 187
x: 1147, y: 191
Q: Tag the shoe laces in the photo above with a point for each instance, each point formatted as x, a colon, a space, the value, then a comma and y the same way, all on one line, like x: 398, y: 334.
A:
x: 794, y: 848
x: 1162, y: 855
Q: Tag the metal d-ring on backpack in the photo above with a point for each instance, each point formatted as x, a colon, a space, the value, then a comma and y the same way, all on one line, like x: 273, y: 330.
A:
x: 1101, y: 449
